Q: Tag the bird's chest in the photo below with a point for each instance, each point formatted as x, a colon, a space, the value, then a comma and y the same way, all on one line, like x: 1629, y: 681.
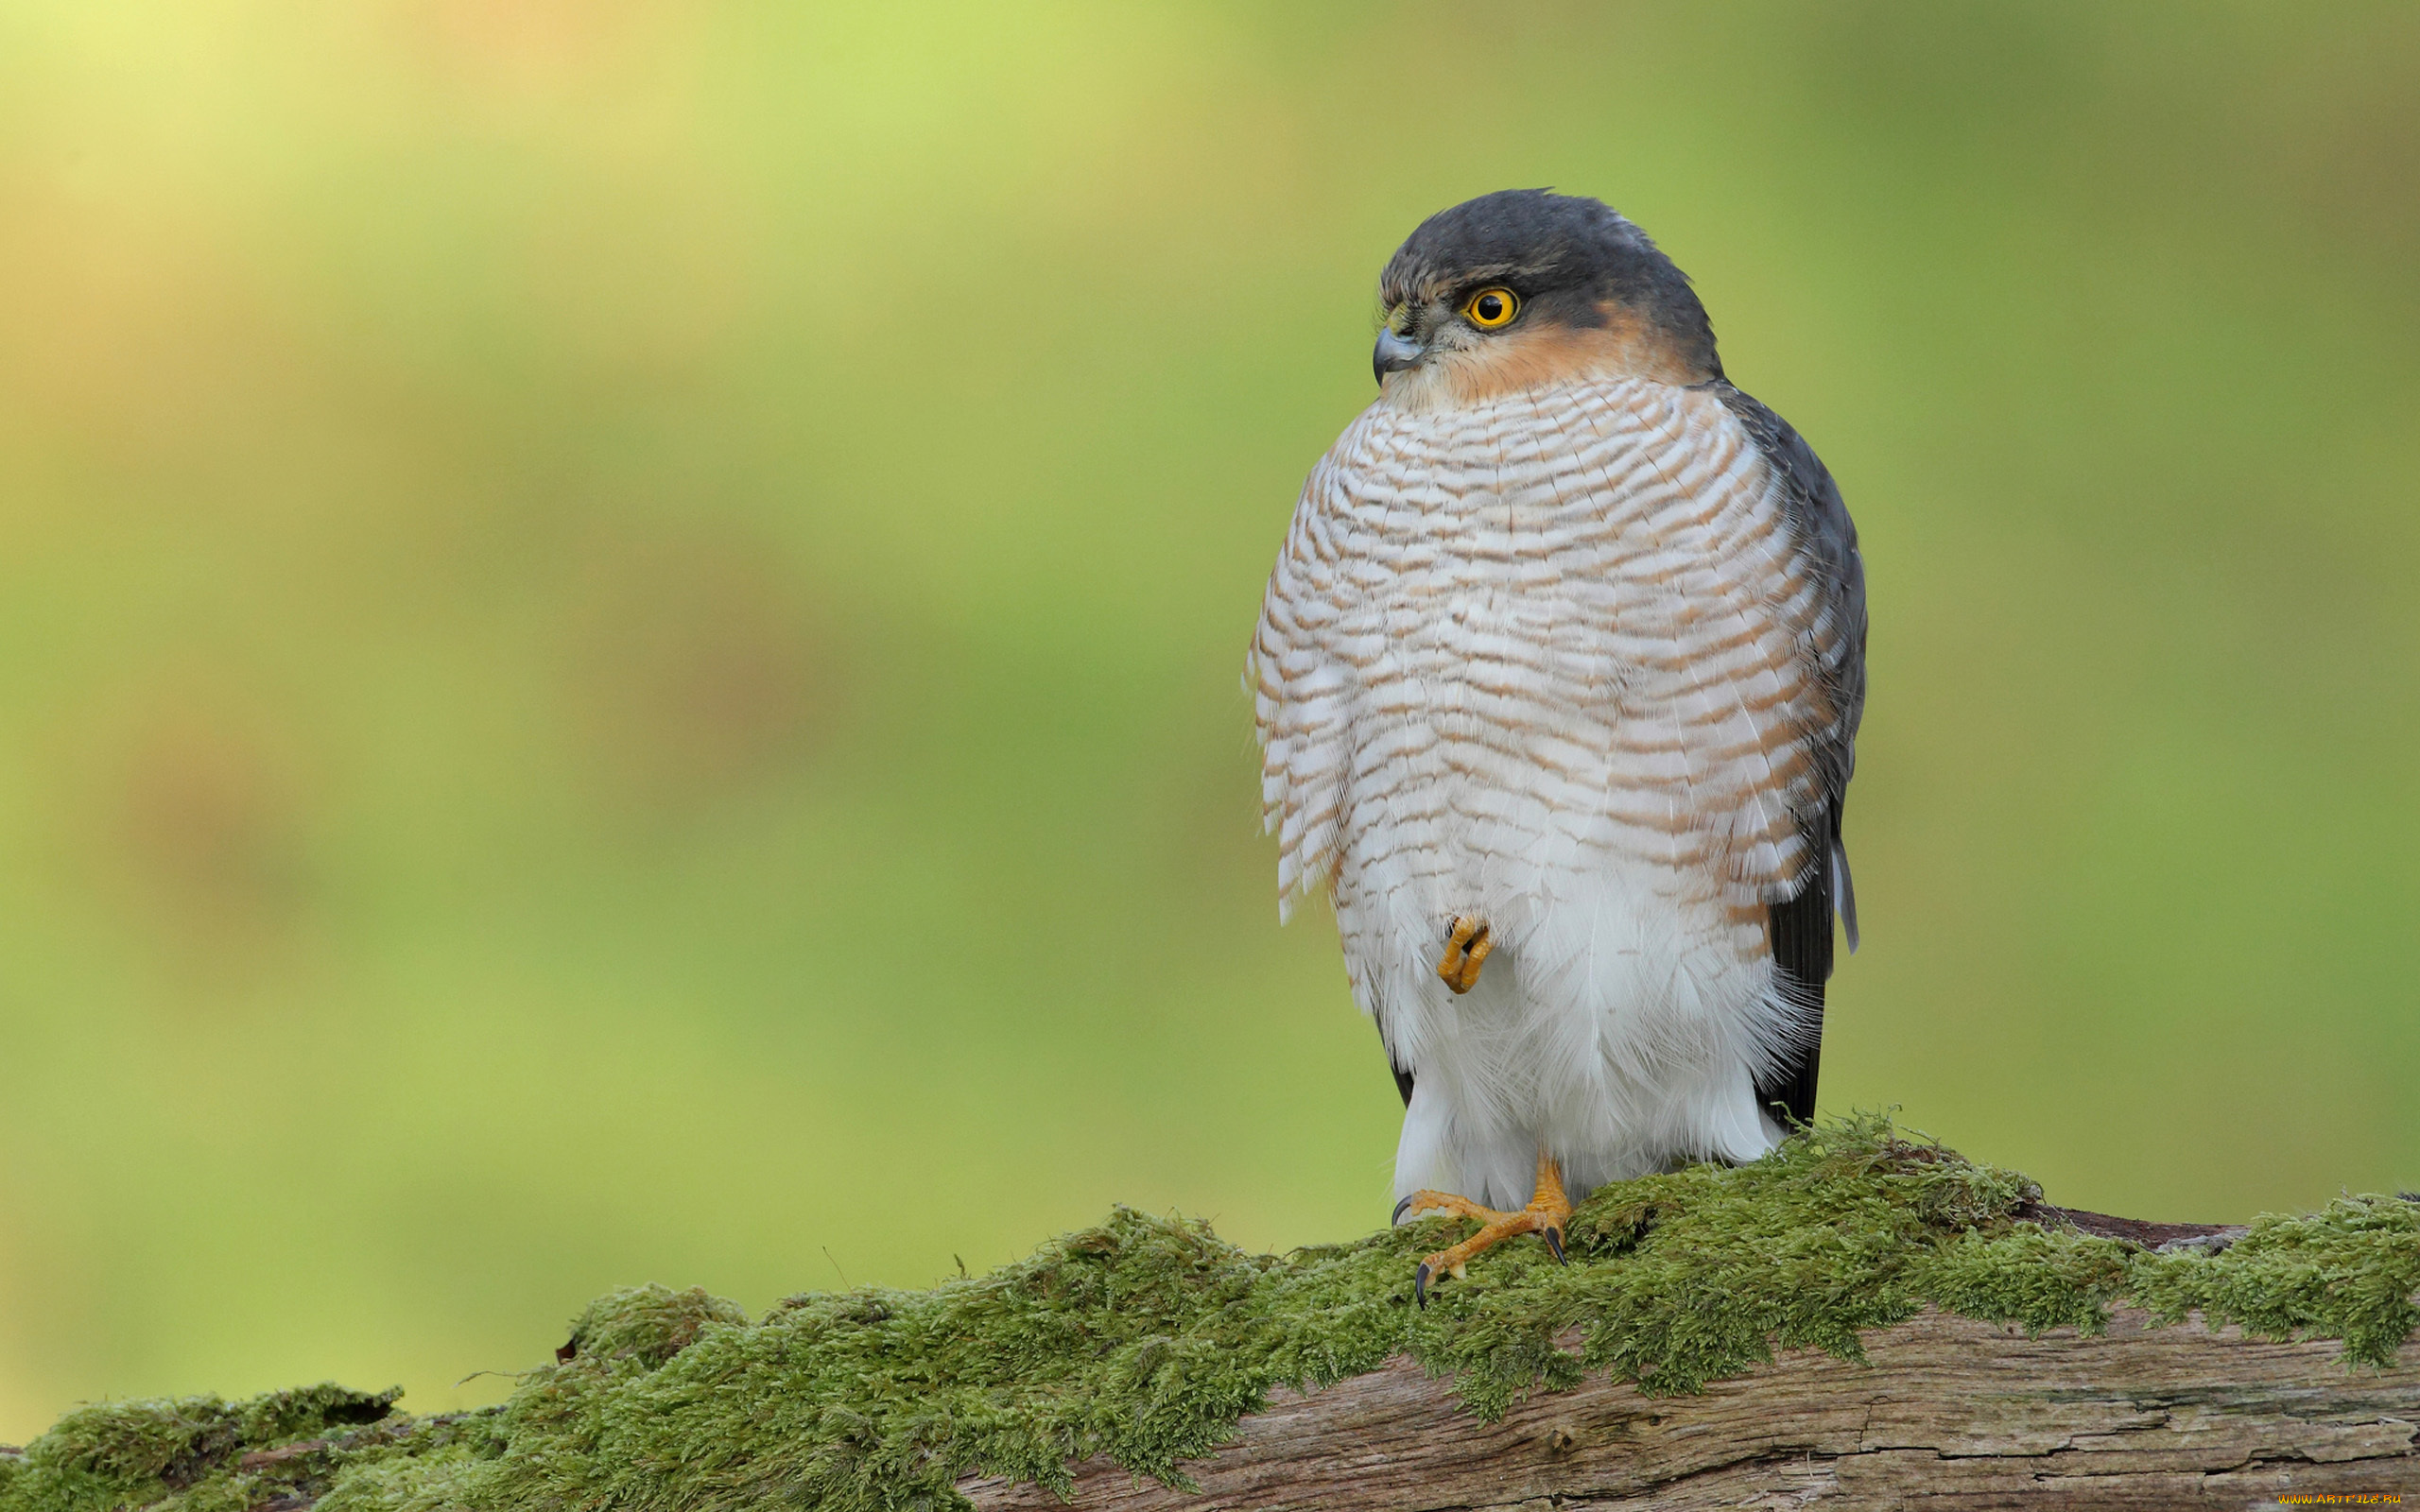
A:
x: 1525, y: 591
x: 1510, y: 645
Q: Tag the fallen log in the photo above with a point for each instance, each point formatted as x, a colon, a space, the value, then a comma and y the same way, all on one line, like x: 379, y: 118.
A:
x: 1858, y: 1320
x: 1943, y: 1413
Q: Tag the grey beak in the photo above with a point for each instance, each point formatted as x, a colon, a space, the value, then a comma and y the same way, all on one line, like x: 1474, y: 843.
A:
x: 1393, y: 354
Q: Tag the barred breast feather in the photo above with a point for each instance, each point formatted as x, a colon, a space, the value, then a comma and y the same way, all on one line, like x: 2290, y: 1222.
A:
x: 1577, y: 660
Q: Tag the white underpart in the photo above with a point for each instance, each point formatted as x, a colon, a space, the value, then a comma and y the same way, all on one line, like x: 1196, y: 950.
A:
x: 1548, y: 661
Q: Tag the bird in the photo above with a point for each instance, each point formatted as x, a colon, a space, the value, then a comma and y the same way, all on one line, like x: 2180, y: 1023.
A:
x: 1557, y: 682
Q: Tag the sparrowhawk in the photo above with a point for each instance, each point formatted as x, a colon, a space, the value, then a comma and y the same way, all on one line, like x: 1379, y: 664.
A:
x: 1558, y: 681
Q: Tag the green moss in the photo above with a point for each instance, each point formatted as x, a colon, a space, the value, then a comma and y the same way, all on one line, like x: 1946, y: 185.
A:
x: 650, y: 1324
x: 186, y: 1450
x: 1145, y: 1338
x: 2346, y: 1272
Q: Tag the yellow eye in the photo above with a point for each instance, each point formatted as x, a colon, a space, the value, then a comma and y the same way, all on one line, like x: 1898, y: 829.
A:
x: 1490, y: 308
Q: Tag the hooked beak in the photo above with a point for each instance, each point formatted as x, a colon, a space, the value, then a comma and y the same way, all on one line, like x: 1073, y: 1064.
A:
x: 1393, y: 354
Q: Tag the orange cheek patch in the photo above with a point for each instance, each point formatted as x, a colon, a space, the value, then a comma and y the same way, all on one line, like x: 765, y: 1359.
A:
x: 1624, y: 346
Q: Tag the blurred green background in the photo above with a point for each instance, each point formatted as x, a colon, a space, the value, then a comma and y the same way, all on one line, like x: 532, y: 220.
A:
x: 620, y: 622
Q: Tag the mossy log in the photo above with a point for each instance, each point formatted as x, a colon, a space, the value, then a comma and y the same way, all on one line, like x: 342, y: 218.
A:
x: 1943, y: 1412
x: 1858, y: 1320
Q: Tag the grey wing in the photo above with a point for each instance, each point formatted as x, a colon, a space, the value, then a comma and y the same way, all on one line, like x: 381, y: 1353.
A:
x: 1825, y: 539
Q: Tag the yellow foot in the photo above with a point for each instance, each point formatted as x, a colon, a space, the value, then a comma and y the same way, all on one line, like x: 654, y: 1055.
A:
x: 1467, y: 943
x: 1547, y: 1213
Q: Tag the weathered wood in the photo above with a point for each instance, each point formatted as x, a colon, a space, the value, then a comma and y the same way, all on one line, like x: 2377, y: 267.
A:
x: 2138, y: 1231
x: 1947, y: 1412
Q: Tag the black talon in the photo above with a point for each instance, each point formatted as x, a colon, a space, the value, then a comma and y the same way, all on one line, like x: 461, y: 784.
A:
x: 1554, y: 1241
x: 1399, y: 1207
x: 1420, y: 1286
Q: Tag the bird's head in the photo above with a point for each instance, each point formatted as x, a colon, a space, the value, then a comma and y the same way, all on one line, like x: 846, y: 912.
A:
x: 1524, y: 287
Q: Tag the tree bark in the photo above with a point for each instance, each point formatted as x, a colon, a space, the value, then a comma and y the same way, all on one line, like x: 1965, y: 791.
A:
x: 1947, y: 1413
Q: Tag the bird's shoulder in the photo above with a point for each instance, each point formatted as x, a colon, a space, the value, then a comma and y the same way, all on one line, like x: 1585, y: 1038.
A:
x: 1811, y: 499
